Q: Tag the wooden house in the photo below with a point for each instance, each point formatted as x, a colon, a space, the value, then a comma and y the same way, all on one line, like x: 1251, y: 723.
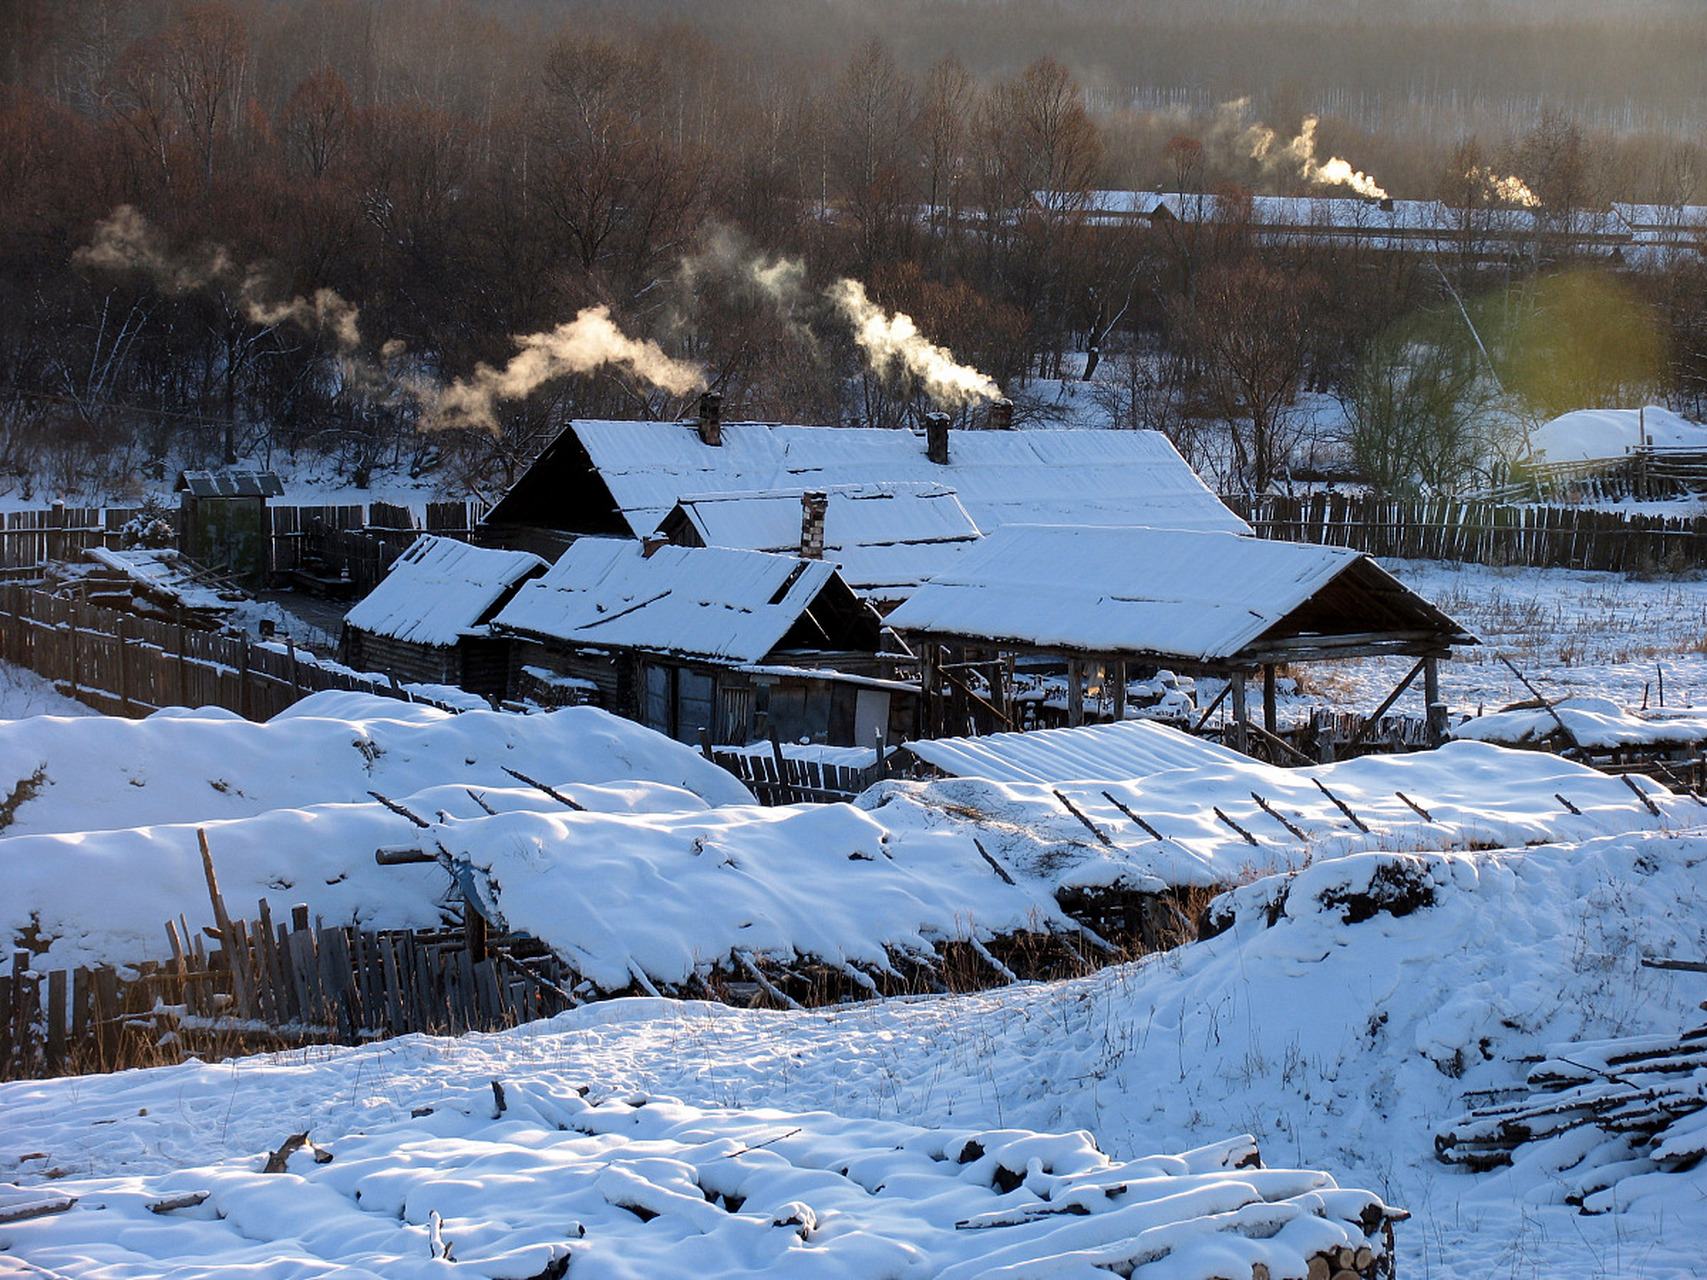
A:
x: 222, y: 521
x: 622, y: 479
x: 884, y: 538
x: 426, y: 622
x: 1112, y: 600
x: 734, y: 643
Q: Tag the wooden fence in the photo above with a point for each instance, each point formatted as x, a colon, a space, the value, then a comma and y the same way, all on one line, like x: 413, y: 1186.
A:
x: 1482, y: 533
x: 352, y: 544
x: 778, y: 779
x: 123, y: 665
x: 292, y: 984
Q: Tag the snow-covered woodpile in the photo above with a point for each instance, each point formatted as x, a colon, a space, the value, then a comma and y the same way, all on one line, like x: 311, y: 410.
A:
x: 521, y: 1179
x: 1600, y: 1116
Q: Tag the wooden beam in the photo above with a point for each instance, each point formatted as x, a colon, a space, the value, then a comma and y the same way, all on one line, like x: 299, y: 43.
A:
x: 1241, y: 712
x: 1270, y: 711
x: 1075, y: 692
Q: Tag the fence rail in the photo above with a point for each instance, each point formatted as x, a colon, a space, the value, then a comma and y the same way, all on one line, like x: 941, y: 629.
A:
x: 1482, y: 533
x: 778, y: 779
x: 123, y: 665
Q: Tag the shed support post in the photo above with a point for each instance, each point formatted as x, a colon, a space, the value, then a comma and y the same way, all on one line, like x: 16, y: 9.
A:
x: 1241, y: 713
x: 1075, y: 692
x: 1270, y: 713
x: 928, y: 708
x: 1437, y: 726
x: 1116, y: 672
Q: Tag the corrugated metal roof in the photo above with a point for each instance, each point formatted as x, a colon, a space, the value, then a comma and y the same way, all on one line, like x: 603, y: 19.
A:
x: 707, y: 602
x: 1094, y: 753
x: 230, y: 484
x: 1193, y: 595
x: 885, y: 538
x: 1001, y: 477
x: 439, y: 589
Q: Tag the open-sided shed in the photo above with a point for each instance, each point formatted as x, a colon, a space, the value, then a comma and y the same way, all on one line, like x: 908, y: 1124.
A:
x: 686, y: 639
x: 1191, y: 600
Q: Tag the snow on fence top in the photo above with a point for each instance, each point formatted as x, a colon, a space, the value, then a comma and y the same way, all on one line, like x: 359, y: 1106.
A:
x: 629, y: 474
x: 1094, y: 752
x: 527, y: 1178
x: 705, y: 602
x: 1191, y: 595
x: 645, y: 888
x: 178, y: 766
x: 441, y: 589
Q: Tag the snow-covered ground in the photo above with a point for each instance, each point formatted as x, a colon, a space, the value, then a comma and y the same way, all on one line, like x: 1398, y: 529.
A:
x: 1346, y: 1015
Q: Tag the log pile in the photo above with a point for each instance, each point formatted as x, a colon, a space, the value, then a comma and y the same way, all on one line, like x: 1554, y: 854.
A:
x: 1608, y: 1109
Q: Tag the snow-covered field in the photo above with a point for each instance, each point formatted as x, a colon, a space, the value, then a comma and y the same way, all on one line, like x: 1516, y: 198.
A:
x: 1345, y: 1016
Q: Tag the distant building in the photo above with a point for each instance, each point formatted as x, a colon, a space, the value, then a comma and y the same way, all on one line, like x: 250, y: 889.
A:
x: 222, y: 521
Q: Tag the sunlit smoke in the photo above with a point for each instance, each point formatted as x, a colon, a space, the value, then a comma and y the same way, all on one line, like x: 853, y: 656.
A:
x: 894, y: 340
x: 589, y: 341
x: 1300, y: 154
x: 325, y: 312
x: 125, y: 241
x: 1508, y: 189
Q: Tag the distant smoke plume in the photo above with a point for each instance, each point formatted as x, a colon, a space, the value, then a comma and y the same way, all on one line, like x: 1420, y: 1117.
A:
x: 894, y: 340
x: 1509, y: 189
x: 124, y: 241
x: 1300, y: 155
x: 583, y: 344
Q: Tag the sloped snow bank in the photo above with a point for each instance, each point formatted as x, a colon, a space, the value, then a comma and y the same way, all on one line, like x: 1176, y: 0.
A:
x: 522, y: 1180
x: 1590, y: 722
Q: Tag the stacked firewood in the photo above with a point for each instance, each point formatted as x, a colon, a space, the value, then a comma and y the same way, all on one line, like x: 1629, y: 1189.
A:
x: 1608, y: 1109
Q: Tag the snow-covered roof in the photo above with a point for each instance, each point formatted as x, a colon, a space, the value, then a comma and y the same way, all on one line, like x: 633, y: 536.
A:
x: 705, y: 602
x: 615, y: 477
x: 885, y: 537
x: 230, y: 484
x: 439, y: 590
x: 1588, y: 435
x: 1092, y: 753
x: 1190, y: 595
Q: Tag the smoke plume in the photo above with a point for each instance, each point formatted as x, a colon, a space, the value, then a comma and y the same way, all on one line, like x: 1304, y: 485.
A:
x: 1508, y: 189
x: 581, y: 345
x: 1300, y: 155
x: 125, y: 241
x: 894, y: 340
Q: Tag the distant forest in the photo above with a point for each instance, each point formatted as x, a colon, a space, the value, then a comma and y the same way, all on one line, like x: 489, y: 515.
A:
x: 264, y: 227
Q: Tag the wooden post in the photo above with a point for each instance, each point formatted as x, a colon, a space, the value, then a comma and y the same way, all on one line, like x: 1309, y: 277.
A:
x: 1270, y: 713
x: 76, y: 609
x: 1437, y: 726
x: 1075, y: 692
x: 124, y: 683
x: 1241, y: 713
x: 183, y: 673
x: 929, y: 711
x: 235, y: 953
x: 243, y: 682
x: 1116, y: 671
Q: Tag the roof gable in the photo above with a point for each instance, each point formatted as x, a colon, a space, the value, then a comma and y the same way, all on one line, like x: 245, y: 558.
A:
x: 703, y: 602
x: 600, y: 474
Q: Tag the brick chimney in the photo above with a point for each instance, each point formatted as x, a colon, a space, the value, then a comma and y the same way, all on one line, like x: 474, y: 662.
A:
x: 936, y: 438
x: 711, y: 418
x: 812, y: 508
x: 1001, y: 415
x: 651, y: 544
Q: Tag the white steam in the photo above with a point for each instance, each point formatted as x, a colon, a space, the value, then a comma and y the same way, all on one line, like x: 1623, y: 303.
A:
x: 893, y: 341
x: 1508, y: 189
x: 125, y: 241
x: 1299, y: 155
x: 589, y: 341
